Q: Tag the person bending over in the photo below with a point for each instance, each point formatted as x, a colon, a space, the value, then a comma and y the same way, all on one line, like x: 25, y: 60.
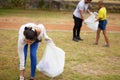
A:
x: 30, y: 34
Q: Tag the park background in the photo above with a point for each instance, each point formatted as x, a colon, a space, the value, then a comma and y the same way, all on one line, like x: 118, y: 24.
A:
x: 83, y: 61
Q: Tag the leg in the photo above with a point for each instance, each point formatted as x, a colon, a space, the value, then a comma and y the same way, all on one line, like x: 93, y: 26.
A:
x: 79, y: 26
x: 33, y: 49
x: 74, y: 31
x: 105, y: 33
x: 97, y: 35
x: 106, y: 38
x: 75, y: 27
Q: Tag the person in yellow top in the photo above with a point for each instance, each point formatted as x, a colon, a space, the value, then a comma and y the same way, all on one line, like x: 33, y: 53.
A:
x: 102, y: 23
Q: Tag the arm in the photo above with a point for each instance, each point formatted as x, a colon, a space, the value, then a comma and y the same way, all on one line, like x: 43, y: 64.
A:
x: 81, y: 13
x: 100, y: 13
x: 46, y: 37
x: 21, y: 47
x: 80, y: 7
x: 89, y: 11
x: 21, y: 54
x: 99, y: 19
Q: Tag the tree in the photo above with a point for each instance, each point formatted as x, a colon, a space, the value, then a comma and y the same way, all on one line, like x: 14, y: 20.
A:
x: 41, y: 3
x: 50, y: 4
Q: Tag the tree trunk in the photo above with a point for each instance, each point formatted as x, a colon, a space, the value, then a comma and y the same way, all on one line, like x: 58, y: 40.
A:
x: 50, y: 4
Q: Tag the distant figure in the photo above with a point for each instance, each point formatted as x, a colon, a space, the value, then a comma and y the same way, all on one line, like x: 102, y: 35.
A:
x: 30, y: 34
x: 102, y: 23
x: 78, y: 16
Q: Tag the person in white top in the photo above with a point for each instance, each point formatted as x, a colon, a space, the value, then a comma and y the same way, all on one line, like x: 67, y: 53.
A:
x: 78, y: 16
x: 30, y: 34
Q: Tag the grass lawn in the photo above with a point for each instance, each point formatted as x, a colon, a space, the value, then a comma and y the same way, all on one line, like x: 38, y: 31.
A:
x: 83, y: 61
x: 47, y: 17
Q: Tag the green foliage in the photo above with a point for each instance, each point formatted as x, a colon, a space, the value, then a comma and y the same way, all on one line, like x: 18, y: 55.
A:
x: 41, y: 3
x: 12, y: 3
x: 6, y: 4
x: 67, y: 5
x: 17, y: 3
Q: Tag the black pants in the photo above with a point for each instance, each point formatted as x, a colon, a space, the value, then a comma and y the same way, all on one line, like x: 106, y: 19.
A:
x: 77, y: 26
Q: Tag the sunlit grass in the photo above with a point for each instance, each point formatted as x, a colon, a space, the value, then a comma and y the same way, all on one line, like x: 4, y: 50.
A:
x: 83, y: 61
x: 47, y: 17
x: 37, y: 16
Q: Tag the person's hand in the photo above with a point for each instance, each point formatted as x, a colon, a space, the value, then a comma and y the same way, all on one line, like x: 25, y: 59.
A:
x: 95, y: 13
x: 82, y: 18
x: 47, y: 40
x: 91, y: 13
x: 96, y: 20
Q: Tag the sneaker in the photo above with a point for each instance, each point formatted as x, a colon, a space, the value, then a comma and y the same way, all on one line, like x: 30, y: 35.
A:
x: 79, y: 38
x: 95, y: 43
x: 106, y: 45
x: 21, y: 78
x: 75, y: 39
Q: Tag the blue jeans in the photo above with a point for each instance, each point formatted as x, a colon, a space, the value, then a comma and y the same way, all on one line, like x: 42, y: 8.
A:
x: 33, y: 58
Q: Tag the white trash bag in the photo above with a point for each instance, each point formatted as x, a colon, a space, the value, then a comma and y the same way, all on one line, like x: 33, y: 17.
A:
x: 91, y: 22
x: 52, y: 62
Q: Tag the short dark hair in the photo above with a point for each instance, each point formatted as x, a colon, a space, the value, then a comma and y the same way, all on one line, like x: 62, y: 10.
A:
x: 100, y: 2
x: 29, y: 33
x: 90, y: 0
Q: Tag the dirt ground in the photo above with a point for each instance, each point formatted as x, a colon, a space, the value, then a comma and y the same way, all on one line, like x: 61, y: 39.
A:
x: 65, y: 26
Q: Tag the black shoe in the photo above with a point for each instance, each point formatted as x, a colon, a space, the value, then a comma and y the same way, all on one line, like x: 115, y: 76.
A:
x: 95, y: 43
x: 75, y: 39
x: 78, y: 38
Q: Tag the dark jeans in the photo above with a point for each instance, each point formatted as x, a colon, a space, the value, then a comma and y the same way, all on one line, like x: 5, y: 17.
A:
x: 77, y: 26
x: 102, y: 24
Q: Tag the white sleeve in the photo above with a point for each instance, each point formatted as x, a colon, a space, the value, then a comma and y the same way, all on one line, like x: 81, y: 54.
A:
x: 21, y: 45
x: 44, y: 31
x: 21, y: 55
x: 80, y: 5
x: 46, y: 37
x: 45, y: 34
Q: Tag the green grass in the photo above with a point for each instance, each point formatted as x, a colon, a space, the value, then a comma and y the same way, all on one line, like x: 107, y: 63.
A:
x: 83, y: 60
x: 33, y: 13
x: 37, y: 16
x: 47, y: 17
x: 108, y: 1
